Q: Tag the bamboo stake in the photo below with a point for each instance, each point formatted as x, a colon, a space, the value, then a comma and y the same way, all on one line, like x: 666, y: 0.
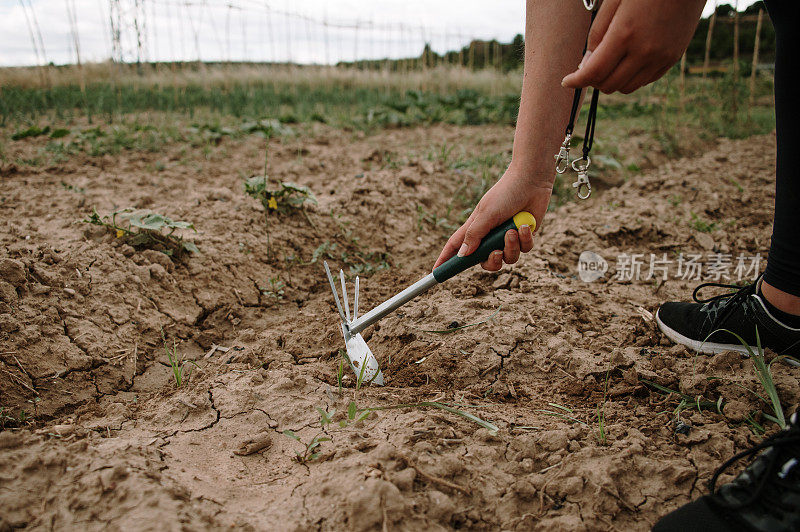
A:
x: 734, y: 85
x: 736, y: 42
x: 754, y: 66
x: 683, y: 81
x: 708, y: 40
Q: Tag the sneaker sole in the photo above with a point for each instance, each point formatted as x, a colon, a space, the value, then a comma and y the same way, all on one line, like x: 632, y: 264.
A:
x: 709, y: 348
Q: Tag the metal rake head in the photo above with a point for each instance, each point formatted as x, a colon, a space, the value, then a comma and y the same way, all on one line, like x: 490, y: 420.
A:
x: 361, y: 359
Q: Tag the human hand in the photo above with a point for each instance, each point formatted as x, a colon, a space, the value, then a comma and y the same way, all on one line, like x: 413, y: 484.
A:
x: 511, y: 194
x: 633, y: 43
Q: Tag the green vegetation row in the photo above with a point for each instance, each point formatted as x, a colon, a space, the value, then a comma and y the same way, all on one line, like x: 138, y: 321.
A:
x: 293, y: 104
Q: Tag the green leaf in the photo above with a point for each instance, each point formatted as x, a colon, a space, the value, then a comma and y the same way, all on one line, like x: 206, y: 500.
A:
x: 181, y: 225
x: 351, y: 410
x: 59, y: 133
x: 324, y: 417
x: 291, y: 434
x: 190, y: 246
x: 491, y: 427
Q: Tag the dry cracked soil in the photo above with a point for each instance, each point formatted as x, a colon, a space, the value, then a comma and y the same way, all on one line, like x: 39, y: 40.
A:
x: 108, y: 441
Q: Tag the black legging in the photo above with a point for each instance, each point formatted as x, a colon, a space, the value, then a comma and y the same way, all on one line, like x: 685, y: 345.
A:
x: 783, y: 265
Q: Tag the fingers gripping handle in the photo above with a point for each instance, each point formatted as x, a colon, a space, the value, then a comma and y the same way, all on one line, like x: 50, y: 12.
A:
x: 494, y: 241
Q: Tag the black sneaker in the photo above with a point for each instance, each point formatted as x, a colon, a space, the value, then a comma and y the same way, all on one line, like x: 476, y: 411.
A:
x: 764, y: 497
x: 739, y: 311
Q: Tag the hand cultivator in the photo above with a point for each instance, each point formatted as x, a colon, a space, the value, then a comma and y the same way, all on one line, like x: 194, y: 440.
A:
x: 361, y: 358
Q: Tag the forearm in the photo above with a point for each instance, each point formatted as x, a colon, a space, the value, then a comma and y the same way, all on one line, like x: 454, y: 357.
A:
x: 555, y: 32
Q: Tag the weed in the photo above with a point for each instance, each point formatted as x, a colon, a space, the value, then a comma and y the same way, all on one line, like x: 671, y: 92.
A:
x: 33, y: 131
x: 145, y: 230
x: 8, y: 420
x: 763, y: 372
x: 275, y: 289
x: 675, y: 200
x: 73, y: 188
x: 177, y: 364
x: 489, y: 426
x: 601, y: 414
x: 686, y: 401
x: 284, y: 199
x: 359, y: 262
x: 560, y: 413
x: 309, y: 452
x: 702, y: 225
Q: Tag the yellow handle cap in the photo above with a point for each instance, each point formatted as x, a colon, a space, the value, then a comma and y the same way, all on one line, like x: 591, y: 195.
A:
x: 525, y: 218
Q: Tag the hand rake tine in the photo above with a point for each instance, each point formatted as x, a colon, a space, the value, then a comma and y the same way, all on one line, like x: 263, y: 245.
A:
x: 335, y: 293
x: 344, y: 296
x: 355, y: 302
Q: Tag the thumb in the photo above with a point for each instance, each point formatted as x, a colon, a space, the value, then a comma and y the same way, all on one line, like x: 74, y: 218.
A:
x: 479, y: 228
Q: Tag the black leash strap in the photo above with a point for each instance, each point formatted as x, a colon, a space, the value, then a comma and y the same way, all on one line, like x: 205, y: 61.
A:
x: 581, y: 166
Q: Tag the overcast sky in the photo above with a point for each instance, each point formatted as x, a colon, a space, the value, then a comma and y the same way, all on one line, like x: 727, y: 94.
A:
x: 306, y: 31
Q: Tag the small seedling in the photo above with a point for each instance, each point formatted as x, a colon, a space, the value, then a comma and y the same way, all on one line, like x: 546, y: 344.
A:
x: 309, y: 452
x: 763, y: 372
x: 560, y: 413
x: 702, y: 225
x: 601, y: 415
x: 179, y: 371
x: 686, y: 401
x: 146, y: 230
x: 275, y: 289
x: 283, y: 199
x: 286, y: 198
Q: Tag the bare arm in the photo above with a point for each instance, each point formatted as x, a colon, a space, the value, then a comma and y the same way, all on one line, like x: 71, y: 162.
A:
x: 555, y: 31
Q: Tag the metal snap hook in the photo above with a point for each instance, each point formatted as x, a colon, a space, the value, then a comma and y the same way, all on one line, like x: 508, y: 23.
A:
x: 562, y: 157
x: 584, y: 190
x: 581, y: 166
x: 588, y: 4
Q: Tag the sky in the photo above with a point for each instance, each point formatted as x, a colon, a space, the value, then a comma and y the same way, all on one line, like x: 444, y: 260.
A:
x: 304, y: 31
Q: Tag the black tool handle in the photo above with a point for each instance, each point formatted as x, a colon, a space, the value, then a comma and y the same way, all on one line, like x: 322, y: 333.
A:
x: 494, y: 241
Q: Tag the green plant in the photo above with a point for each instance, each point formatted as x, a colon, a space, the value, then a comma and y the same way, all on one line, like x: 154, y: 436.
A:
x: 359, y: 262
x: 763, y: 373
x: 287, y: 197
x: 33, y: 131
x: 702, y: 225
x: 283, y: 199
x: 686, y: 401
x: 560, y: 413
x: 489, y: 426
x: 176, y: 363
x: 275, y: 289
x: 147, y: 230
x: 73, y: 188
x: 601, y: 414
x: 308, y: 453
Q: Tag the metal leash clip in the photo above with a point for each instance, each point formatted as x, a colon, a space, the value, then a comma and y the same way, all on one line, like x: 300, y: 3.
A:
x: 589, y: 4
x: 562, y: 157
x: 581, y: 166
